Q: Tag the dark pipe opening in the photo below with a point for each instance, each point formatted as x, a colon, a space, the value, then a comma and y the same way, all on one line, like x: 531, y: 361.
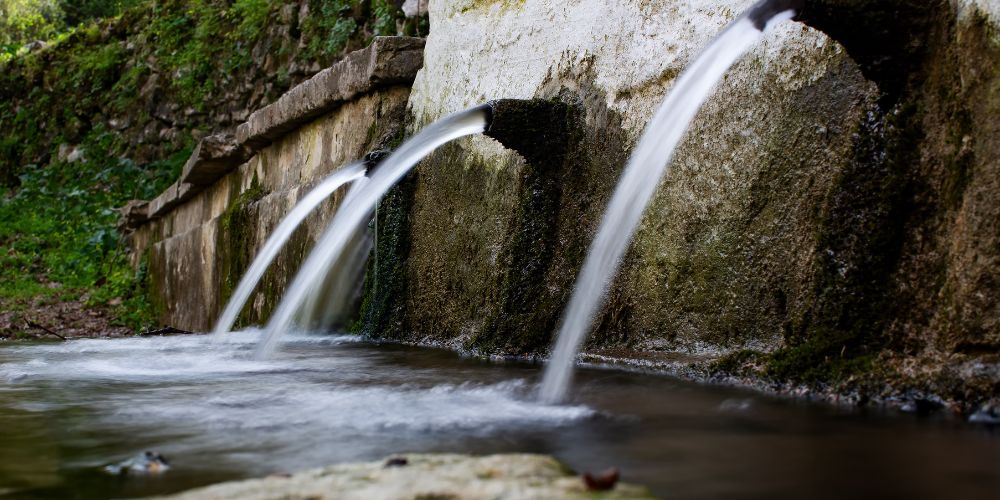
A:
x: 887, y: 38
x: 373, y: 159
x: 535, y: 128
x: 763, y: 11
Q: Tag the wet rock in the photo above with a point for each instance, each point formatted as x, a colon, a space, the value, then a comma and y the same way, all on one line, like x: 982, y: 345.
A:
x: 146, y: 463
x: 427, y: 476
x: 988, y: 414
x: 167, y: 330
x: 922, y: 405
x: 753, y: 240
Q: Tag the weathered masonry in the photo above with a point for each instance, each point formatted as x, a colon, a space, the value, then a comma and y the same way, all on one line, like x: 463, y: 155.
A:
x: 200, y: 233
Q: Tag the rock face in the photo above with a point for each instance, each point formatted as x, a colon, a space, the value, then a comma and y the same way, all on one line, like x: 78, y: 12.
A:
x: 424, y: 476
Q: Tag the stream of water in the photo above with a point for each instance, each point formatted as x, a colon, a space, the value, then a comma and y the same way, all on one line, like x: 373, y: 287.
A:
x: 356, y: 210
x: 646, y: 166
x: 216, y: 413
x: 279, y: 237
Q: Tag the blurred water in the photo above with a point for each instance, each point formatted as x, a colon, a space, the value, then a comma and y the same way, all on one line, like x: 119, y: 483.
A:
x: 355, y: 211
x: 276, y: 241
x: 68, y: 408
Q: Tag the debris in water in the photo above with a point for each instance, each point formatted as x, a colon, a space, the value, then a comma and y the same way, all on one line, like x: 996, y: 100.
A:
x: 987, y: 414
x: 167, y: 330
x: 148, y: 462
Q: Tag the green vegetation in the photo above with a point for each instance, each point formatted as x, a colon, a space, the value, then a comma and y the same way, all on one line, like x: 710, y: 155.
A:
x: 58, y: 229
x: 238, y: 229
x: 131, y: 84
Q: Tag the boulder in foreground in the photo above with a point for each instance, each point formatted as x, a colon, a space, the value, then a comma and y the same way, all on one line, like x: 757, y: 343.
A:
x: 424, y: 476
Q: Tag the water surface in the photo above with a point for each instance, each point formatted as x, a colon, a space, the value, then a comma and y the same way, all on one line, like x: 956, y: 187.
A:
x: 66, y: 409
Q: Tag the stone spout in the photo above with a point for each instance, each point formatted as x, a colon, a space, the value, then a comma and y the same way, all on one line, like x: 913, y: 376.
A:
x: 763, y: 11
x: 536, y: 128
x: 887, y: 38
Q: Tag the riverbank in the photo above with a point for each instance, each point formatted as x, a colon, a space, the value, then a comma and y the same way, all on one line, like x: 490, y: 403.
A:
x: 58, y: 317
x: 958, y: 388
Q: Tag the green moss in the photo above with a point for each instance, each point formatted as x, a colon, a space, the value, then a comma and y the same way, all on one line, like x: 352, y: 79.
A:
x: 826, y: 356
x: 383, y: 307
x: 538, y: 130
x: 238, y: 237
x: 484, y: 4
x: 736, y: 363
x: 858, y: 246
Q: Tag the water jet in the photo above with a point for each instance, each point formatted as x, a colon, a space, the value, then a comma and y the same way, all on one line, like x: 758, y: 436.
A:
x: 357, y: 209
x: 645, y: 168
x: 277, y: 240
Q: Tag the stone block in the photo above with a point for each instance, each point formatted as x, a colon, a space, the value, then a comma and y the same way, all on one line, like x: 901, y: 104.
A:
x: 215, y: 156
x: 387, y: 61
x: 133, y: 214
x: 164, y: 203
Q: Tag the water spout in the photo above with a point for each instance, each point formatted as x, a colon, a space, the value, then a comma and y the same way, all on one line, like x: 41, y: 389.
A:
x: 536, y: 128
x: 277, y: 241
x: 645, y: 168
x: 357, y: 209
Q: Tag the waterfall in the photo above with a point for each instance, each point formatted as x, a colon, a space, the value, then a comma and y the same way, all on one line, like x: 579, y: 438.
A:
x: 356, y: 210
x: 646, y: 166
x: 277, y: 241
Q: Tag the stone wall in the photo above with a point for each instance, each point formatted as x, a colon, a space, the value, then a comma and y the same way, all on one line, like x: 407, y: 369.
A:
x: 830, y: 216
x: 730, y: 229
x: 826, y: 216
x: 198, y: 236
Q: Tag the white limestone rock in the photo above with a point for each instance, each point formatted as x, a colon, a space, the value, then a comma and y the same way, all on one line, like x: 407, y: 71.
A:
x: 506, y: 476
